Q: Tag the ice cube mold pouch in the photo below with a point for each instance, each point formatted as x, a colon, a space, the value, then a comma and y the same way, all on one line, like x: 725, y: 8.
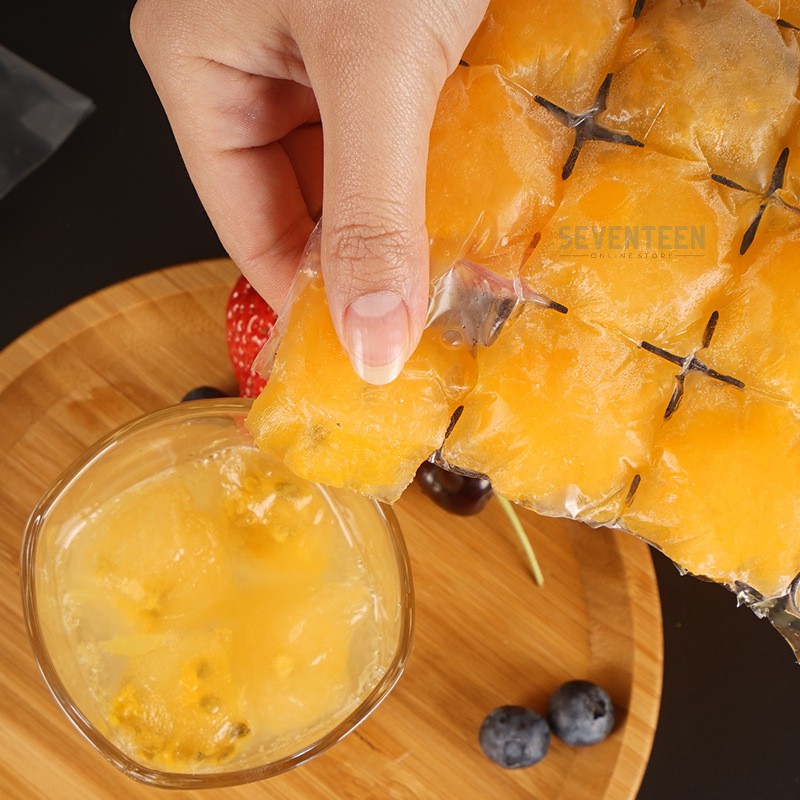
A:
x: 613, y: 211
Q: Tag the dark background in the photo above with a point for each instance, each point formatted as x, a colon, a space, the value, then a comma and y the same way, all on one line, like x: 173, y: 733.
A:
x: 114, y: 201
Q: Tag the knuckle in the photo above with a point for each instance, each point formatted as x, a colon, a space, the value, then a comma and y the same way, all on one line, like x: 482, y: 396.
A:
x: 373, y: 241
x: 280, y: 252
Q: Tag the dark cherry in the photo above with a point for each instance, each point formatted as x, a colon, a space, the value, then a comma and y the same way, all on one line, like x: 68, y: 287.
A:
x: 458, y: 494
x: 203, y: 393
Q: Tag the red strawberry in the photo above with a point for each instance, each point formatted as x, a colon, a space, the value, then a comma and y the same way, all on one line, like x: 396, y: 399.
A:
x: 249, y: 323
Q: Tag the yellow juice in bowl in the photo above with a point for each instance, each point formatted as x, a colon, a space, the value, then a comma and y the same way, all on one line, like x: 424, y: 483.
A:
x: 204, y: 616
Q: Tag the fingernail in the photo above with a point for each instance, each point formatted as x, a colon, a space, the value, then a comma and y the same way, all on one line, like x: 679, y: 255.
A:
x: 376, y: 336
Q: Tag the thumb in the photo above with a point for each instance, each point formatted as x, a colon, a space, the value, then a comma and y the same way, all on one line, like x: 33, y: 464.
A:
x: 377, y: 70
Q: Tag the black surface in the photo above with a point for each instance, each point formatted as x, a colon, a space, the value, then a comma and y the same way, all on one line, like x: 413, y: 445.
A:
x: 115, y: 201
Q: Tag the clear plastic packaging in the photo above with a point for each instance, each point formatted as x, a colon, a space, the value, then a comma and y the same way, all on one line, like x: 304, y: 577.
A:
x: 37, y: 113
x: 635, y: 364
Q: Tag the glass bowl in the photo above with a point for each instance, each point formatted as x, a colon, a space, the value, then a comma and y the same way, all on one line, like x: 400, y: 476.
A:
x: 203, y: 617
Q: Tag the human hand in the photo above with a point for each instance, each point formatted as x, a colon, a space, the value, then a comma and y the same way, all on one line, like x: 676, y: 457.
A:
x: 249, y: 87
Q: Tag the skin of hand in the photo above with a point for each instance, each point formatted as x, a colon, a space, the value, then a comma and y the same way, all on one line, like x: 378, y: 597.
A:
x: 250, y: 85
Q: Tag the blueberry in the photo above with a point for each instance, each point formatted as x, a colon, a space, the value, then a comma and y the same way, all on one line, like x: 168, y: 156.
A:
x: 581, y: 713
x: 203, y: 393
x: 514, y: 737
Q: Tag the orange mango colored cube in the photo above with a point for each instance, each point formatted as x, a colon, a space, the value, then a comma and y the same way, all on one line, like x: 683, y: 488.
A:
x: 641, y: 243
x: 559, y: 50
x: 347, y: 432
x: 516, y: 151
x: 714, y: 82
x: 757, y: 337
x: 721, y: 496
x: 784, y: 10
x: 537, y: 424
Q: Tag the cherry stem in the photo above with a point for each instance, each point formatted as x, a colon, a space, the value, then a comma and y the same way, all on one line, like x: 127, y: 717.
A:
x: 508, y: 508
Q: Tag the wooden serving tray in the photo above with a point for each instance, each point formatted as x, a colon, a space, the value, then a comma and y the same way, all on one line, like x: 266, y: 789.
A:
x: 485, y: 634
